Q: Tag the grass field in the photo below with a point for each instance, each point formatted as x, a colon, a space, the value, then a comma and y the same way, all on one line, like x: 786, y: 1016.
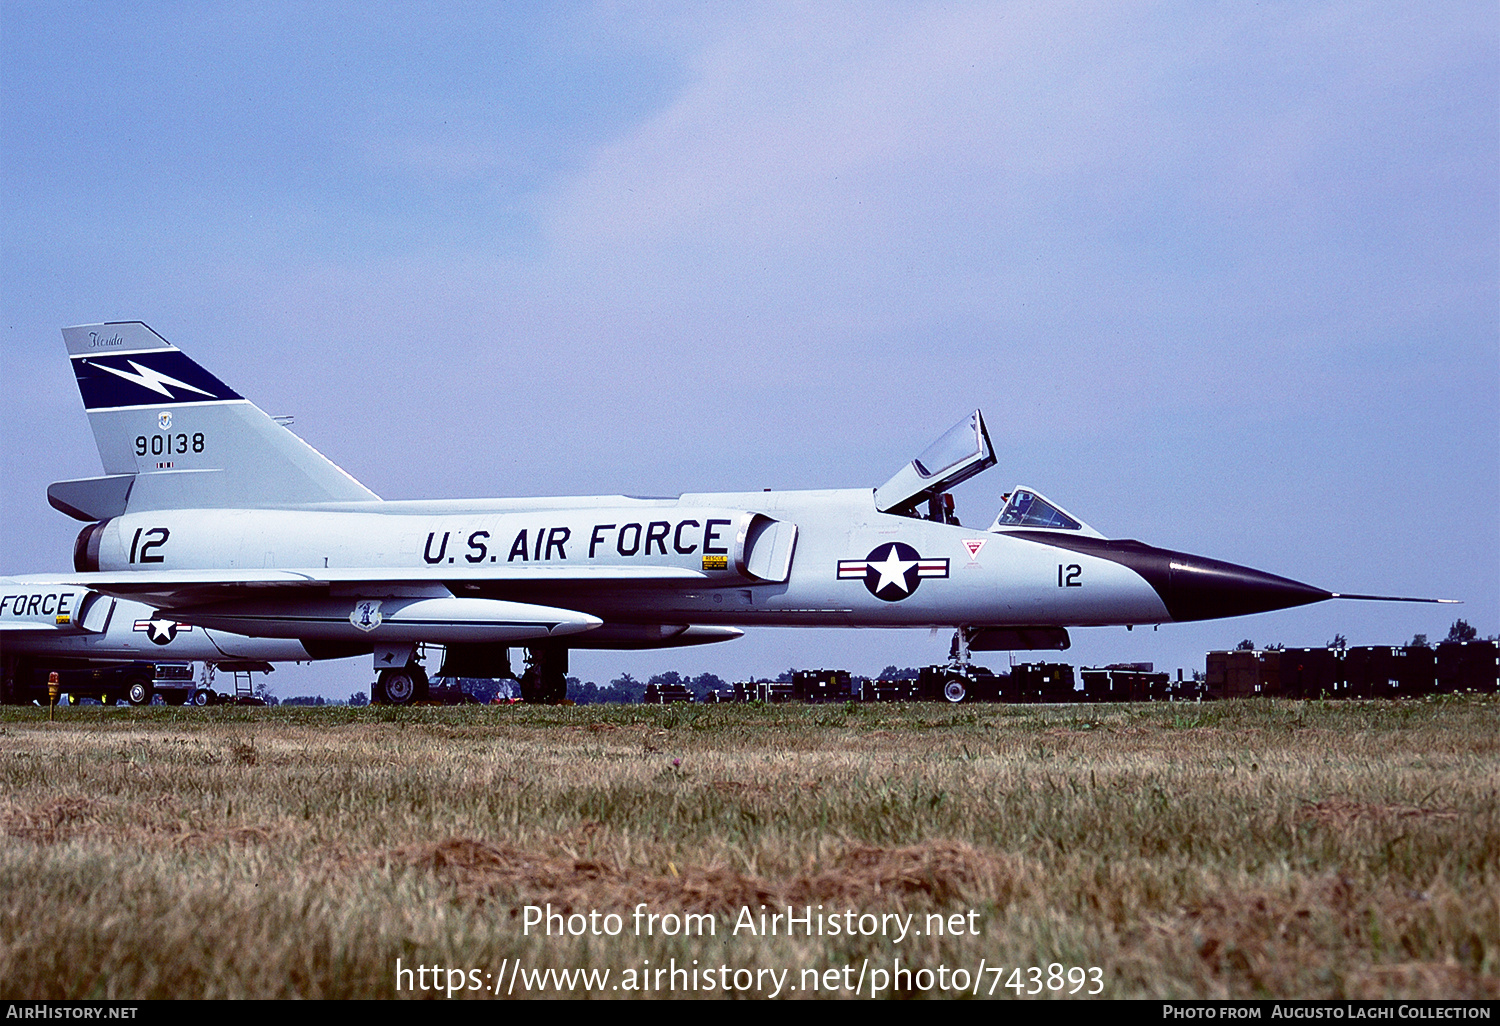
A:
x: 1234, y: 849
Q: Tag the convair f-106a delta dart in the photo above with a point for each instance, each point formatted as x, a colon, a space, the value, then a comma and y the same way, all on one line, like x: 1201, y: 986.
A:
x: 215, y: 515
x: 48, y: 622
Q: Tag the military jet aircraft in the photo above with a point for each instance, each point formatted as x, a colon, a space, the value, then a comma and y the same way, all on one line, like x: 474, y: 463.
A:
x: 213, y: 513
x: 52, y: 622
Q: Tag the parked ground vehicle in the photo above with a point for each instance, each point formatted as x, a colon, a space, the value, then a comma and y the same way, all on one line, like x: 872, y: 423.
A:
x: 109, y: 682
x: 664, y: 694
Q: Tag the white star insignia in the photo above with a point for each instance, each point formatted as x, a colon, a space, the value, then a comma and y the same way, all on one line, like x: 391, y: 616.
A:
x: 892, y: 570
x: 161, y: 631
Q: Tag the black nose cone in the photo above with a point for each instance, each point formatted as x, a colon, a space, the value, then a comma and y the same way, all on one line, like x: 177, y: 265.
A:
x: 1193, y: 587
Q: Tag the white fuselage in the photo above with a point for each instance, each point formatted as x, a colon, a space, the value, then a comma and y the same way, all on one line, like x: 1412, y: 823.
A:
x: 45, y: 616
x: 740, y: 563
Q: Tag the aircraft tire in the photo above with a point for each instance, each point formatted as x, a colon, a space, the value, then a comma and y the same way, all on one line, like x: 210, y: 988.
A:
x: 203, y: 697
x: 139, y: 691
x: 530, y: 686
x: 955, y: 689
x: 400, y: 686
x: 403, y: 686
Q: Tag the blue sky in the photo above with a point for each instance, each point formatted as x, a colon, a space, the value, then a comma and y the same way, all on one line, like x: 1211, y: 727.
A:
x: 1224, y: 278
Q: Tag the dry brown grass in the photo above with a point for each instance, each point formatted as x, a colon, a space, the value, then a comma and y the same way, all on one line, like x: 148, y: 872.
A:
x: 939, y: 872
x: 1249, y: 849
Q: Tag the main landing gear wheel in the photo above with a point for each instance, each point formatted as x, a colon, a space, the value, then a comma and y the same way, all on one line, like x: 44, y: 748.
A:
x: 403, y: 686
x: 546, y: 676
x: 955, y: 690
x: 531, y: 686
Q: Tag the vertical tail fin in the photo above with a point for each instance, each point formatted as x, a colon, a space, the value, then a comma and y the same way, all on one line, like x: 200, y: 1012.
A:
x: 173, y: 436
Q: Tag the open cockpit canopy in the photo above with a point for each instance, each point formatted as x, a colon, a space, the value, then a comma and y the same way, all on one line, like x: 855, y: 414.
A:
x: 963, y: 451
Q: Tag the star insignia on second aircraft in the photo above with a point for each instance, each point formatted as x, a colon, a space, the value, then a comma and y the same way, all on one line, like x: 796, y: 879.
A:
x: 161, y: 631
x: 892, y: 570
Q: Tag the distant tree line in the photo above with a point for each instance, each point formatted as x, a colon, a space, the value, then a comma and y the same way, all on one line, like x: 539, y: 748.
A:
x: 626, y: 688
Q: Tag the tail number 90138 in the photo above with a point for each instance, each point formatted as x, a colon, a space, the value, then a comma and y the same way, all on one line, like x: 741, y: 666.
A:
x: 168, y: 444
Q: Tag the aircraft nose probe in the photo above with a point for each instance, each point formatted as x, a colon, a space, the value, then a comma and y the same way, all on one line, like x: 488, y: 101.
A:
x: 1204, y: 589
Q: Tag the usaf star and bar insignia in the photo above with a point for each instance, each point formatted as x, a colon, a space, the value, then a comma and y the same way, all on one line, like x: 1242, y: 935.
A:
x: 892, y: 570
x: 161, y: 632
